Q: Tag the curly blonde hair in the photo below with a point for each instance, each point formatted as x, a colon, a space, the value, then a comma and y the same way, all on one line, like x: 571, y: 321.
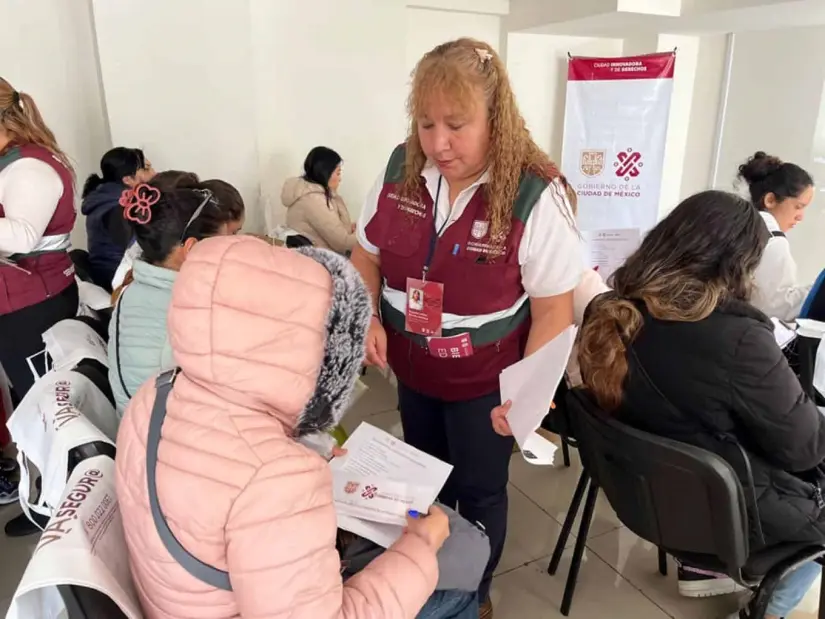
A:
x: 22, y: 122
x: 458, y: 70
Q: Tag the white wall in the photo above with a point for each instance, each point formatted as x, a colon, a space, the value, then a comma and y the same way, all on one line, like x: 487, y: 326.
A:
x: 253, y: 85
x: 537, y: 65
x: 679, y: 125
x: 47, y: 50
x: 181, y: 88
x: 704, y: 116
x: 775, y: 98
x: 328, y: 72
x: 427, y: 28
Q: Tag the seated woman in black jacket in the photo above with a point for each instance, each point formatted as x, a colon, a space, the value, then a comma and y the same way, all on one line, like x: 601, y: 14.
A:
x: 678, y: 327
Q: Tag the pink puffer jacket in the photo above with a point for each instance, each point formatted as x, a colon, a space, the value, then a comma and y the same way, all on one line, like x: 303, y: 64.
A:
x: 249, y: 328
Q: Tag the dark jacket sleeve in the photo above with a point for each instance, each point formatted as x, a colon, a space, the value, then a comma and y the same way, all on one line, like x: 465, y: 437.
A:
x: 775, y: 413
x: 118, y: 228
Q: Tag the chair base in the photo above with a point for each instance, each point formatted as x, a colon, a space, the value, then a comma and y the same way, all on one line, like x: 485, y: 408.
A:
x: 592, y: 489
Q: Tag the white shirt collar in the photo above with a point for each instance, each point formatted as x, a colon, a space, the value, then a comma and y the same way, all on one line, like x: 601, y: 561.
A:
x: 770, y: 221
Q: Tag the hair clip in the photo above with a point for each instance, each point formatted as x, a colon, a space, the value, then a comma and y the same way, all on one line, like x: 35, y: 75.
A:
x: 484, y: 54
x: 137, y: 203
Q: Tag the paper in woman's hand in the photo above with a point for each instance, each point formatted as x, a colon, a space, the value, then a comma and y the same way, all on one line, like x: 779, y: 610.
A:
x: 530, y: 385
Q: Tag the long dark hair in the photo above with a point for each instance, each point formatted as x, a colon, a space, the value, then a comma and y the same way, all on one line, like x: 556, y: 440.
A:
x: 702, y: 254
x: 114, y: 166
x: 229, y: 198
x: 173, y: 179
x: 319, y: 167
x: 766, y: 174
x: 172, y: 221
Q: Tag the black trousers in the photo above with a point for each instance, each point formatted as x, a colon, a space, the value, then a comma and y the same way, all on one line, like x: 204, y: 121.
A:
x: 21, y: 335
x: 461, y: 433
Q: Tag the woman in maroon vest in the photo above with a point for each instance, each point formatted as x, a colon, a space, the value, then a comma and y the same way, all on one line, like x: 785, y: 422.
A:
x: 37, y: 286
x: 468, y: 236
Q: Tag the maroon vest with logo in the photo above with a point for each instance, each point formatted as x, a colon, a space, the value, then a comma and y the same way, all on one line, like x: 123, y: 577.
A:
x: 479, y: 277
x: 40, y: 274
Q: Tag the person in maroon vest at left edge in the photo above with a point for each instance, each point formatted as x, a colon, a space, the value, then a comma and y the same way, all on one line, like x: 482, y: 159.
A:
x: 492, y: 268
x: 37, y: 214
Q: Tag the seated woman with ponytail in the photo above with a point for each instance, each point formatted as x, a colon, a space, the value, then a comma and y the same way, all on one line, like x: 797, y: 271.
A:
x: 678, y: 351
x: 108, y: 233
x: 167, y: 225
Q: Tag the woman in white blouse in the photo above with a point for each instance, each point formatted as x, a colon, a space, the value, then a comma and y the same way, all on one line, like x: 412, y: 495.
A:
x: 37, y: 214
x: 781, y: 191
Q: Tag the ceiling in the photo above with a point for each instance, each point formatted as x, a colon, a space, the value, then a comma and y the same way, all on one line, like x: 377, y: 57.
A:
x: 698, y: 17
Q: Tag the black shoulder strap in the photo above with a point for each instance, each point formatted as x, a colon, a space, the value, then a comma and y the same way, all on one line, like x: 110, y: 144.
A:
x: 778, y: 233
x: 197, y: 568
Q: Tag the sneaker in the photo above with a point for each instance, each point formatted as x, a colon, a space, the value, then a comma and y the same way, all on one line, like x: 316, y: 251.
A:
x: 21, y: 526
x: 8, y: 490
x: 8, y: 465
x: 695, y: 582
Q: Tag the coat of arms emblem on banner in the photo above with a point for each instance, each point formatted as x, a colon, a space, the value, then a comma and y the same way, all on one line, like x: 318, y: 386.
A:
x: 592, y: 162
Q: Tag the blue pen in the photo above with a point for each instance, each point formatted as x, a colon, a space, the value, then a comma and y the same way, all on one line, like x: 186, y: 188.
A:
x: 455, y: 249
x: 414, y: 514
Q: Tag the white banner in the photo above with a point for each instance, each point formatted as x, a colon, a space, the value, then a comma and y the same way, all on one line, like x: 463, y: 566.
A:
x: 83, y: 545
x: 614, y: 141
x: 62, y: 410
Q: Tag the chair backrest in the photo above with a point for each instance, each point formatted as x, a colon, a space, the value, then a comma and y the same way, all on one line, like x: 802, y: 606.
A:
x: 684, y: 499
x: 814, y: 305
x: 86, y: 603
x: 82, y: 265
x: 297, y: 240
x: 83, y: 602
x: 557, y: 419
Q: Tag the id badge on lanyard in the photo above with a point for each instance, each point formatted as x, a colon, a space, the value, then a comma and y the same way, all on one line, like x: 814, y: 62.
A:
x: 425, y: 305
x: 425, y: 299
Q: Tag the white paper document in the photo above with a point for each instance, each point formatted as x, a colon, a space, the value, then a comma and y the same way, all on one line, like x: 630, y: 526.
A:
x: 530, y: 385
x: 378, y: 499
x: 608, y: 249
x: 379, y: 460
x: 782, y: 333
x: 810, y: 328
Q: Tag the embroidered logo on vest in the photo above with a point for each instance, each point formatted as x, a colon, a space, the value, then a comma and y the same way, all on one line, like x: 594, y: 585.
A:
x: 479, y: 229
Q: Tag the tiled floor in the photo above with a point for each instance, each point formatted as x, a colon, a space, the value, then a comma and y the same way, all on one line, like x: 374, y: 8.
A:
x: 618, y: 579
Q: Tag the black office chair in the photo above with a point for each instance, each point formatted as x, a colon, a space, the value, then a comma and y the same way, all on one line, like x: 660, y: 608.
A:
x: 557, y: 421
x: 801, y: 355
x: 82, y: 265
x: 86, y: 603
x: 297, y: 240
x: 687, y: 501
x: 83, y: 602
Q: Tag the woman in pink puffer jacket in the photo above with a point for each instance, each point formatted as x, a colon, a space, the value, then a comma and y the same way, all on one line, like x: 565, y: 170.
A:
x: 269, y: 342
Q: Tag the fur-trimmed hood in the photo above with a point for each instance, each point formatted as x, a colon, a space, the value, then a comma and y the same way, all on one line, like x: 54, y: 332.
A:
x: 269, y: 342
x: 271, y: 329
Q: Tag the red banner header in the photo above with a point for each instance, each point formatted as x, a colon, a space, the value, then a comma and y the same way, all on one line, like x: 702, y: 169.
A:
x: 648, y: 67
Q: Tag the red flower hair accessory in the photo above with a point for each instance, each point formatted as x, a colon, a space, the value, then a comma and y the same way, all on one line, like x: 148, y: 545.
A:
x: 137, y: 203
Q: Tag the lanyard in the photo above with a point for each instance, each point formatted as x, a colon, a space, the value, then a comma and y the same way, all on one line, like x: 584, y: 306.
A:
x: 436, y: 231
